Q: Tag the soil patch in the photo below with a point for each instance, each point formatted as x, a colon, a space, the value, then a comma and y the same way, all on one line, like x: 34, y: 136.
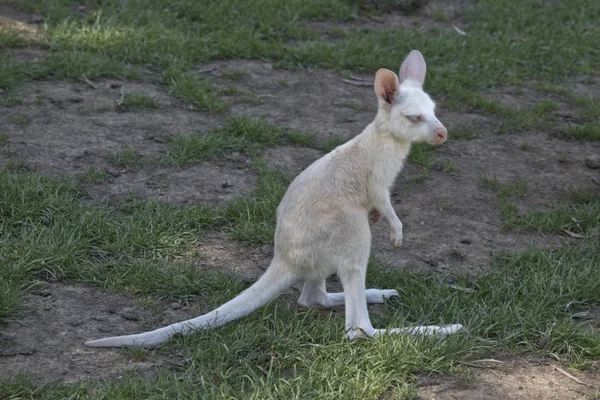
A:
x: 515, y: 379
x: 46, y: 342
x: 219, y: 251
x: 208, y: 183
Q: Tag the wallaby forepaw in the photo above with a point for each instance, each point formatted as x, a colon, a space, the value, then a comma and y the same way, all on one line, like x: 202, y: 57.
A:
x: 396, y: 238
x: 389, y: 293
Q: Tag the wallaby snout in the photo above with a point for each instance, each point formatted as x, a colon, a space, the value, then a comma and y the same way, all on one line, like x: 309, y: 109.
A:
x: 441, y: 134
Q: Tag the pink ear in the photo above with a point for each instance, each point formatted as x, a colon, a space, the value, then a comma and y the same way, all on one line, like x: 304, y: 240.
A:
x: 413, y: 68
x: 386, y: 85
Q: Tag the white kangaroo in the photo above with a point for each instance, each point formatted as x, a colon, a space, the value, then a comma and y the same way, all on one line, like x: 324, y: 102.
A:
x: 323, y: 219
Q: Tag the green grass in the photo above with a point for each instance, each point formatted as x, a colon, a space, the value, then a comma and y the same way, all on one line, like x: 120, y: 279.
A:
x: 460, y: 132
x: 175, y: 38
x: 579, y: 219
x: 95, y: 175
x: 136, y: 102
x: 505, y: 194
x: 237, y: 134
x: 587, y: 110
x: 524, y: 304
x: 233, y: 75
x: 15, y: 164
x: 126, y: 157
x: 11, y: 99
x: 525, y: 146
x: 194, y: 89
x: 49, y: 233
x: 19, y: 119
x: 587, y: 131
x: 253, y: 217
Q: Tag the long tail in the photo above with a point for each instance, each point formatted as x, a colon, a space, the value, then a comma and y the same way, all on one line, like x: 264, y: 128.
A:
x: 276, y: 279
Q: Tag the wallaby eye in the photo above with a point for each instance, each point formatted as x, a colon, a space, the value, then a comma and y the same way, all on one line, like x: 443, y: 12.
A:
x: 415, y: 118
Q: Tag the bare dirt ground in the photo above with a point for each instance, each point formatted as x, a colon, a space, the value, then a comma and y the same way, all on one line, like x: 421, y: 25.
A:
x: 451, y: 221
x: 513, y: 379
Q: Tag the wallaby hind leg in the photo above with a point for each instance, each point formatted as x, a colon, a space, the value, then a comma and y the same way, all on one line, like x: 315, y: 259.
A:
x: 357, y: 315
x: 314, y: 294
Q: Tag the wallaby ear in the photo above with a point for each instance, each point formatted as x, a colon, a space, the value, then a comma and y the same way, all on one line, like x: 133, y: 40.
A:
x: 413, y: 68
x: 386, y: 85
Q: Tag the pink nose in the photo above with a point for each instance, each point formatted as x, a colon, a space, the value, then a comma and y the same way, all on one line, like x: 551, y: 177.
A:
x: 441, y: 134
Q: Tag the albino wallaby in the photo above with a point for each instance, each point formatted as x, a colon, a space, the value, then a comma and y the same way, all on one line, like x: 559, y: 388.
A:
x: 323, y: 219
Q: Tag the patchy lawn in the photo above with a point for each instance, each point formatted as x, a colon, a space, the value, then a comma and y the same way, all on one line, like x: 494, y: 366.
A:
x: 144, y: 147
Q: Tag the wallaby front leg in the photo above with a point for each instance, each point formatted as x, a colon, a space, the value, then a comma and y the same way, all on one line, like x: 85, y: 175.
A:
x: 380, y: 199
x: 314, y: 294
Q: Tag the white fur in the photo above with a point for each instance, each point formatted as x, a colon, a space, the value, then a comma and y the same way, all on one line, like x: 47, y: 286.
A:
x: 322, y: 221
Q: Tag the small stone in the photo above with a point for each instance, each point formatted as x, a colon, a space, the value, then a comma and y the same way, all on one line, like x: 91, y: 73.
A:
x: 76, y: 322
x: 226, y: 184
x: 104, y: 329
x: 235, y: 156
x: 437, y: 166
x: 48, y: 307
x: 113, y: 172
x: 466, y: 241
x: 115, y: 85
x: 176, y: 306
x: 268, y: 66
x: 100, y: 318
x: 76, y: 100
x: 112, y: 309
x: 130, y: 314
x: 42, y: 292
x: 593, y: 162
x: 159, y: 139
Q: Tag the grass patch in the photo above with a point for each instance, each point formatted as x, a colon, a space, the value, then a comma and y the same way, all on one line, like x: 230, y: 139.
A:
x: 587, y: 131
x: 175, y: 38
x: 17, y: 165
x: 461, y: 132
x: 136, y: 102
x: 19, y: 119
x: 191, y: 88
x: 525, y: 304
x: 65, y: 64
x: 253, y: 217
x: 525, y: 146
x: 95, y: 175
x: 11, y: 99
x: 576, y: 220
x: 421, y: 154
x: 233, y: 75
x: 579, y: 218
x: 239, y: 133
x: 126, y: 157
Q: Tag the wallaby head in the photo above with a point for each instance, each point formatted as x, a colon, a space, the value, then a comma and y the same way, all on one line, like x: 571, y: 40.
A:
x: 405, y: 109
